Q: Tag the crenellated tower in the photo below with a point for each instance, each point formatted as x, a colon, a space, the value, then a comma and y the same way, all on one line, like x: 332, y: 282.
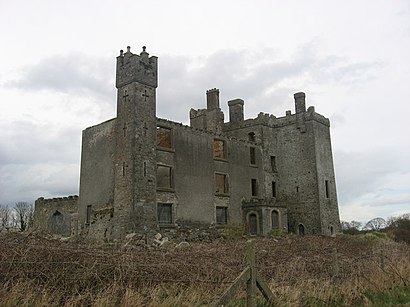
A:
x: 135, y: 162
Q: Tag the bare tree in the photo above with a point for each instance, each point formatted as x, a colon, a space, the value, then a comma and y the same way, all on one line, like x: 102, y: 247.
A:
x: 376, y: 224
x: 5, y: 216
x: 352, y: 227
x: 24, y: 215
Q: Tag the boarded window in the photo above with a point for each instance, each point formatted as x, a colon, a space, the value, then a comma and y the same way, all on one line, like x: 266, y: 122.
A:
x: 273, y: 163
x: 221, y: 215
x: 164, y: 212
x: 219, y: 149
x: 221, y: 184
x: 253, y: 224
x: 273, y: 189
x: 327, y: 188
x: 252, y: 155
x: 164, y: 177
x: 254, y: 187
x: 275, y: 219
x: 89, y: 212
x: 164, y: 137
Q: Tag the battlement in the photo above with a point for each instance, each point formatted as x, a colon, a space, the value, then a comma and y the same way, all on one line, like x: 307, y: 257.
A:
x: 136, y: 68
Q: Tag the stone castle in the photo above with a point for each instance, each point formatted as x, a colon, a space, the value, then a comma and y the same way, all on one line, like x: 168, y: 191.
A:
x: 140, y: 173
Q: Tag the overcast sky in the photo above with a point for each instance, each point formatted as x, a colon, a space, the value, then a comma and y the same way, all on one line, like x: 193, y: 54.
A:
x: 351, y: 58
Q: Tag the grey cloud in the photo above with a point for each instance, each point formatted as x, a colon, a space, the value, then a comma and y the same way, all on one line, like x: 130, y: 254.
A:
x: 72, y: 73
x: 253, y: 77
x: 362, y: 173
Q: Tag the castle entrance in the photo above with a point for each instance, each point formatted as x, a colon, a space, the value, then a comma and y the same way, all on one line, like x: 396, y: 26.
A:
x: 253, y: 224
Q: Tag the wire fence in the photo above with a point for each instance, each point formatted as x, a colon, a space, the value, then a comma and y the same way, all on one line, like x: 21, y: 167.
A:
x: 72, y: 267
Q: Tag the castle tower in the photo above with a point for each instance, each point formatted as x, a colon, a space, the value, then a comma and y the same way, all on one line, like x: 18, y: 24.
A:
x: 135, y: 162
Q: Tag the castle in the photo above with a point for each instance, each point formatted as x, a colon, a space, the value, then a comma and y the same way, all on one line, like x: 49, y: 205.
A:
x: 140, y: 173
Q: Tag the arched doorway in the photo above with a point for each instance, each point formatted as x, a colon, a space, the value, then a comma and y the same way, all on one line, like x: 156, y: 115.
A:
x: 253, y: 224
x: 301, y: 230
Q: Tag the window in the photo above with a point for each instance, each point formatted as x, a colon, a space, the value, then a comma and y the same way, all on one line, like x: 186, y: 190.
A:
x: 219, y: 149
x: 221, y: 184
x: 275, y: 219
x: 221, y: 215
x: 88, y: 217
x: 164, y: 212
x: 327, y: 188
x: 164, y: 137
x: 273, y: 189
x: 254, y: 187
x: 273, y: 163
x: 252, y: 155
x: 251, y: 136
x: 164, y: 177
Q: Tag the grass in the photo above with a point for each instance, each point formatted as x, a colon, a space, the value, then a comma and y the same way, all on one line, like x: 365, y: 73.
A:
x: 40, y: 271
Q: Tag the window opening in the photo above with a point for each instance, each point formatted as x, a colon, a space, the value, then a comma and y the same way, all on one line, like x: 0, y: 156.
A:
x: 273, y: 189
x: 164, y: 177
x: 219, y: 149
x: 221, y: 184
x: 254, y: 187
x: 252, y: 154
x: 327, y: 188
x: 221, y: 215
x: 251, y: 136
x: 164, y: 212
x: 273, y: 163
x: 164, y: 137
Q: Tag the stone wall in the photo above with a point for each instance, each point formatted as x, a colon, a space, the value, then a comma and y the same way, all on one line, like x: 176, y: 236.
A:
x: 57, y: 215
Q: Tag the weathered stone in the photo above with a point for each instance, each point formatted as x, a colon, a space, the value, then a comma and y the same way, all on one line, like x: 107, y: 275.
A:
x: 143, y: 174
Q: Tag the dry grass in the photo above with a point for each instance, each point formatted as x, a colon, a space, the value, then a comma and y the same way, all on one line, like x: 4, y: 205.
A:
x: 39, y: 271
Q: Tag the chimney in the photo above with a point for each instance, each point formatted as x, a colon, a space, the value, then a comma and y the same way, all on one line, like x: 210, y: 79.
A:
x: 212, y: 99
x: 300, y: 105
x: 235, y: 110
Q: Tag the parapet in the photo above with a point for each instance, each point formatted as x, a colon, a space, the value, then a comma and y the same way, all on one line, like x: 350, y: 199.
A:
x: 136, y: 68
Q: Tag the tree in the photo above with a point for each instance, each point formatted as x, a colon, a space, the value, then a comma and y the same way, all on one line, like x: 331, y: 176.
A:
x: 376, y: 224
x: 399, y: 227
x: 352, y: 227
x: 24, y: 215
x: 5, y: 216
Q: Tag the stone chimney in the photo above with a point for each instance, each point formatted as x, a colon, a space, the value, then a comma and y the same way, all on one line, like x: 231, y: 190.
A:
x: 300, y: 105
x: 235, y: 110
x: 212, y: 99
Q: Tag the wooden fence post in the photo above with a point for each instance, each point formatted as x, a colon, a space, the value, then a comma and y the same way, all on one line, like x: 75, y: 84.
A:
x: 251, y: 283
x: 252, y: 279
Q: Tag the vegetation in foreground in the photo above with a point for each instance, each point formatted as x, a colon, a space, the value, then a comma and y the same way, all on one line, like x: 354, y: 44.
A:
x: 301, y: 271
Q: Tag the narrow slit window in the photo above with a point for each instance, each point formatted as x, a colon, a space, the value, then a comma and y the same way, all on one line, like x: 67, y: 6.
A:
x: 252, y: 155
x: 273, y: 189
x: 327, y: 188
x: 251, y: 136
x: 254, y: 187
x: 273, y: 163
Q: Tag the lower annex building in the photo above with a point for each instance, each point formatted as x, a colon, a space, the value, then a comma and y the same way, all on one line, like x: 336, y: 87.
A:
x: 140, y: 173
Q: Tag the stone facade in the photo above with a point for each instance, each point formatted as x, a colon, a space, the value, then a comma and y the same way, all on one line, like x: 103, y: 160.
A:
x: 140, y: 173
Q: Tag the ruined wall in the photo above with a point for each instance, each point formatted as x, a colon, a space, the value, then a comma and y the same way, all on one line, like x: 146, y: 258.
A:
x: 97, y: 176
x: 57, y: 215
x: 194, y: 167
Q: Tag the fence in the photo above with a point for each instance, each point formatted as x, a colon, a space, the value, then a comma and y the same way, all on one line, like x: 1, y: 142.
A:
x: 73, y: 268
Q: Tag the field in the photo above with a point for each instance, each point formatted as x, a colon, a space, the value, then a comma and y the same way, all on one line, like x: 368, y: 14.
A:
x: 36, y: 270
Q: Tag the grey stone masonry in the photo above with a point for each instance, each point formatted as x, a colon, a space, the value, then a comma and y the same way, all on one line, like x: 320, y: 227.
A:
x: 143, y: 174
